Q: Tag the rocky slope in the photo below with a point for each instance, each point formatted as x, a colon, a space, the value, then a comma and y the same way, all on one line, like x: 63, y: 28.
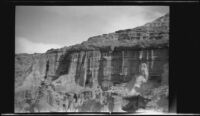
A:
x: 110, y: 72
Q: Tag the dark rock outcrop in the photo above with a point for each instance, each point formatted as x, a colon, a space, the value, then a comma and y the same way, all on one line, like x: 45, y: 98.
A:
x: 134, y: 103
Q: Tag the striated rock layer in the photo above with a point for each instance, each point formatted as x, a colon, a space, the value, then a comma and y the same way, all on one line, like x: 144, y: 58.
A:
x: 111, y: 72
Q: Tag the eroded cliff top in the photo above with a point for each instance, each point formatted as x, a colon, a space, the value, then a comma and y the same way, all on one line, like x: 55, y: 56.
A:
x: 153, y: 34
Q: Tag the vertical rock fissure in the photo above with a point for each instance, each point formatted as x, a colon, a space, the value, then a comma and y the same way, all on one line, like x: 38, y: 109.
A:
x: 152, y: 59
x: 117, y: 67
x: 77, y: 69
x: 64, y: 64
x: 100, y: 71
x: 88, y: 81
x: 79, y: 76
x: 55, y: 63
x: 47, y: 69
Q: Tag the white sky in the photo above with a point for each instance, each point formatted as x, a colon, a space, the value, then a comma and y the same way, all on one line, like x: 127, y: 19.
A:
x: 39, y: 28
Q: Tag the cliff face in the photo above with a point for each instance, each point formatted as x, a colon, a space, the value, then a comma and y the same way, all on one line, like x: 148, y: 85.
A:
x: 70, y: 78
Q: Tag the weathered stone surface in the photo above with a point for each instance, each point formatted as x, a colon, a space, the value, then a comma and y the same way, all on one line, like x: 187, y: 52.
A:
x: 95, y: 75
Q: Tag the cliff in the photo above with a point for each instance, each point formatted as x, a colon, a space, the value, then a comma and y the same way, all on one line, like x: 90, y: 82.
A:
x: 70, y: 78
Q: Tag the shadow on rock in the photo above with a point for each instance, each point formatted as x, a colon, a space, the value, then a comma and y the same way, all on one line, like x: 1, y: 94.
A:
x: 134, y: 103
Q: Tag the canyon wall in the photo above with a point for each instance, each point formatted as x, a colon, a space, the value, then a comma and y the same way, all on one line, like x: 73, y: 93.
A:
x: 70, y: 78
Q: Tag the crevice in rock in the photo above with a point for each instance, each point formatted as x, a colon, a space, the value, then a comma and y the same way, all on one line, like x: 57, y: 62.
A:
x: 79, y: 76
x: 116, y: 67
x: 88, y: 82
x: 64, y: 65
x: 100, y: 71
x: 47, y: 69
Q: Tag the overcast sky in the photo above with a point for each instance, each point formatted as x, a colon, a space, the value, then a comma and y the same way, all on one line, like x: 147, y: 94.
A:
x: 39, y: 28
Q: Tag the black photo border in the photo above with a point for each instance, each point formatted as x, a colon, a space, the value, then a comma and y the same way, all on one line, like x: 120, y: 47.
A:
x: 183, y: 51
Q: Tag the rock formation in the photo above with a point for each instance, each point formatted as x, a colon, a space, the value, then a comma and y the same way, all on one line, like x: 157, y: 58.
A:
x: 98, y: 75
